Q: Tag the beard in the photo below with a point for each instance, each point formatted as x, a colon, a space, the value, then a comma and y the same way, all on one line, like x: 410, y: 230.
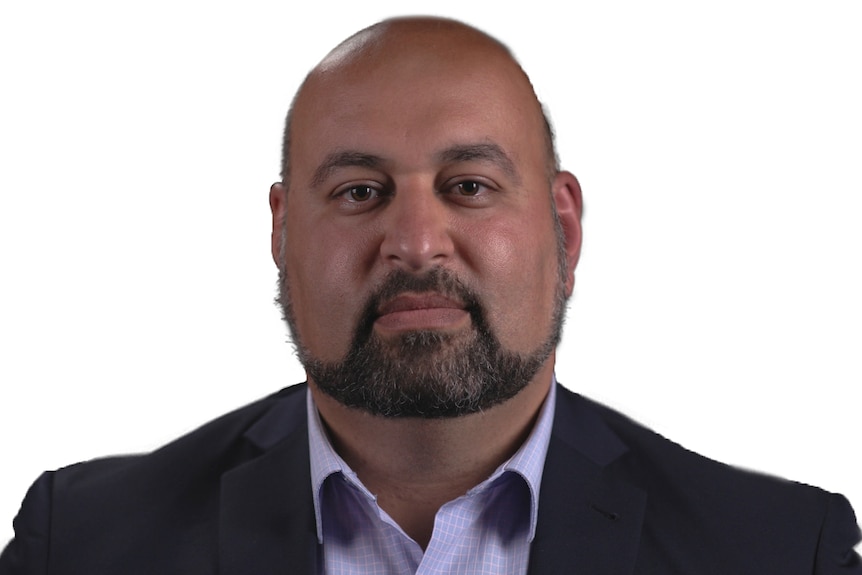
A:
x: 427, y: 373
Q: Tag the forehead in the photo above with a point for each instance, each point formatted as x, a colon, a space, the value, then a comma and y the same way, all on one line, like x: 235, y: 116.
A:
x: 416, y: 96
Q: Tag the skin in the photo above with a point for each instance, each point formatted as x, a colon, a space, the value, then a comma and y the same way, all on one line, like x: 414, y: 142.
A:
x: 404, y: 96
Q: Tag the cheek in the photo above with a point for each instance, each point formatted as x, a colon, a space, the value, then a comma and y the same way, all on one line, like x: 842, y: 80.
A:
x: 325, y: 274
x: 518, y: 277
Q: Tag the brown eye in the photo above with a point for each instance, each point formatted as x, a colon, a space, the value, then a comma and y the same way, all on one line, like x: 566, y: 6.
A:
x: 469, y: 188
x: 361, y: 193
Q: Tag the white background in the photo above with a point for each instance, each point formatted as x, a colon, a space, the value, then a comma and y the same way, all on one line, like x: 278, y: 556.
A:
x: 718, y: 147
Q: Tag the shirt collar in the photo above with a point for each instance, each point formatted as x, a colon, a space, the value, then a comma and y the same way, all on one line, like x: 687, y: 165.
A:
x: 528, y: 461
x: 322, y: 458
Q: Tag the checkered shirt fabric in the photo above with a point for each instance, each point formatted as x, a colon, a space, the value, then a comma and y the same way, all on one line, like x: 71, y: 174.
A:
x: 488, y: 530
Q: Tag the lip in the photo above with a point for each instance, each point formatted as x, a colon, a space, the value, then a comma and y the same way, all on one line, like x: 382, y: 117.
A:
x: 411, y: 302
x: 424, y: 311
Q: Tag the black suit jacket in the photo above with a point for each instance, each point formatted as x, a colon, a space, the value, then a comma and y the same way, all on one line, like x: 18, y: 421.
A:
x: 234, y: 498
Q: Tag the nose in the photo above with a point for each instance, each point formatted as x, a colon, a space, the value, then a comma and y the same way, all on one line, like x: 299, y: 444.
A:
x: 417, y: 233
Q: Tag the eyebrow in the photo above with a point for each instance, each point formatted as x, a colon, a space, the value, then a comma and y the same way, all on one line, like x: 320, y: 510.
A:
x: 343, y: 159
x: 487, y: 152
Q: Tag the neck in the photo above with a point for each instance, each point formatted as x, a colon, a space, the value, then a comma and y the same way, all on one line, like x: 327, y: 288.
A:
x: 415, y: 465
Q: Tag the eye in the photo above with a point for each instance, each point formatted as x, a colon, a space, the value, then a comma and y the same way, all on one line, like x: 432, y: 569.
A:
x: 359, y: 196
x: 360, y: 193
x: 469, y: 188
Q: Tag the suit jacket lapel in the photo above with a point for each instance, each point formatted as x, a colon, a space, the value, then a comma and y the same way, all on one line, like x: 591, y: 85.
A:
x: 266, y: 523
x: 589, y: 519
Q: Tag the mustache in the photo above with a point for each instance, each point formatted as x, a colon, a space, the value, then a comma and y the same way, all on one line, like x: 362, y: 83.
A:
x: 438, y: 280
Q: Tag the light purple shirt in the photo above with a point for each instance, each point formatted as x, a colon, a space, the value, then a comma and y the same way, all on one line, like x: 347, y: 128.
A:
x: 488, y: 530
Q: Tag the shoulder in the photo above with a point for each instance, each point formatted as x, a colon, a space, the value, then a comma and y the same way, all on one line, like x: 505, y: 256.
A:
x: 208, y: 451
x: 661, y: 464
x: 171, y: 493
x: 695, y: 504
x: 213, y: 447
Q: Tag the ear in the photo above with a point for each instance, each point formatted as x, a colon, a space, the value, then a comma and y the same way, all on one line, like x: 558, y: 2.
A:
x: 278, y: 205
x: 567, y: 199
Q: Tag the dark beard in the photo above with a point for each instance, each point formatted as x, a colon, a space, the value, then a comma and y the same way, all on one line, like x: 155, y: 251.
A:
x: 426, y: 374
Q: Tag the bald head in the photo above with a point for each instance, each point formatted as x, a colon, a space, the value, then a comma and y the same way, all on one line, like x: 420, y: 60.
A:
x: 422, y: 38
x: 413, y: 49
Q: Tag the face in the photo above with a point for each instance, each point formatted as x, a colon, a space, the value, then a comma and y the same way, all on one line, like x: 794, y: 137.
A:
x: 423, y: 272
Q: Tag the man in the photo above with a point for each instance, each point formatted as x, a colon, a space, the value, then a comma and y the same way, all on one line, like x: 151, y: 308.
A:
x: 426, y: 241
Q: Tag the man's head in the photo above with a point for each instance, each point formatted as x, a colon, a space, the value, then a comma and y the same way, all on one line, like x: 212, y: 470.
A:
x: 425, y: 239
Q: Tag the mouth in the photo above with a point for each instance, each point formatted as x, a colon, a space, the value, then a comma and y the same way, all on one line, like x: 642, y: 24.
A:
x: 421, y: 311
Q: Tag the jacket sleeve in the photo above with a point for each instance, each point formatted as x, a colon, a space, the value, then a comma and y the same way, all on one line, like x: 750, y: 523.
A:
x: 27, y: 553
x: 835, y: 554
